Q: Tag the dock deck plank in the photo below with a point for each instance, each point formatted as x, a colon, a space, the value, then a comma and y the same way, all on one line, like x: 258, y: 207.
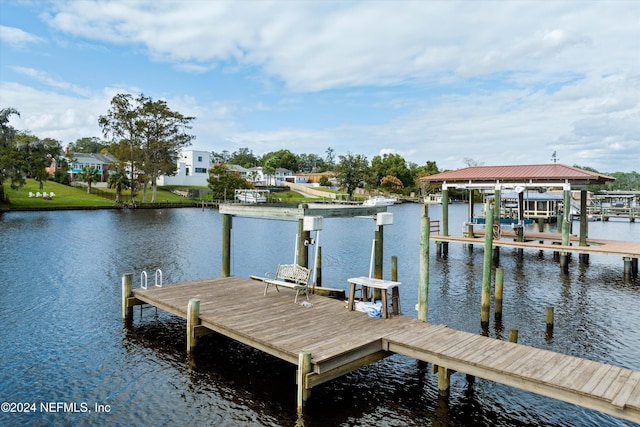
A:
x: 337, y: 337
x: 532, y: 239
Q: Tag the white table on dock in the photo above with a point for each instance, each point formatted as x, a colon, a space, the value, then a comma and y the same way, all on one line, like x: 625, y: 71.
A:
x: 383, y: 285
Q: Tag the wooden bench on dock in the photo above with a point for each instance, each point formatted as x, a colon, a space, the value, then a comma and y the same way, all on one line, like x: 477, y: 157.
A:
x: 291, y: 276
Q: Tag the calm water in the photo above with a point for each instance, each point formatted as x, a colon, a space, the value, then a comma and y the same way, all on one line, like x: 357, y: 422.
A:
x: 63, y: 340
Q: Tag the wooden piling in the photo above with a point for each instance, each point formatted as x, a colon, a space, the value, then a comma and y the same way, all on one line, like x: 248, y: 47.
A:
x: 628, y: 268
x: 445, y: 221
x: 423, y: 286
x: 513, y: 335
x: 378, y: 244
x: 470, y: 226
x: 564, y: 262
x: 127, y: 287
x: 226, y: 244
x: 304, y: 368
x: 395, y: 292
x: 378, y: 252
x: 496, y: 205
x: 486, y: 272
x: 444, y: 381
x: 550, y: 317
x: 556, y: 254
x: 303, y: 249
x: 566, y: 230
x: 319, y: 268
x: 498, y: 298
x: 193, y: 319
x: 584, y: 227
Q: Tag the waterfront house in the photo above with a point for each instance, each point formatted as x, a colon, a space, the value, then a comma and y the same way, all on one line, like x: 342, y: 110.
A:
x: 192, y: 169
x: 100, y: 162
x: 259, y: 177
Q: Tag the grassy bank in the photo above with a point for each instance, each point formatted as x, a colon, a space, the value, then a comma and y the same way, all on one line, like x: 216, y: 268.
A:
x: 67, y: 197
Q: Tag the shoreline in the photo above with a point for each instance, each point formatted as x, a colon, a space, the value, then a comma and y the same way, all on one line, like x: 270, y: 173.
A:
x: 159, y: 205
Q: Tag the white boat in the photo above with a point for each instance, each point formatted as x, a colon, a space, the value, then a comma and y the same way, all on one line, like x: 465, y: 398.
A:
x: 433, y: 199
x: 379, y: 201
x: 251, y: 196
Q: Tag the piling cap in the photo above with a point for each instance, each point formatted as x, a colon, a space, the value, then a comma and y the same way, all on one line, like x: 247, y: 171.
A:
x: 384, y: 218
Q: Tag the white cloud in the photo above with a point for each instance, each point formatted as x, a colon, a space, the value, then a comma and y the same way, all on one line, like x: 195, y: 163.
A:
x: 45, y: 78
x: 51, y: 115
x: 314, y: 46
x: 499, y: 82
x: 17, y: 37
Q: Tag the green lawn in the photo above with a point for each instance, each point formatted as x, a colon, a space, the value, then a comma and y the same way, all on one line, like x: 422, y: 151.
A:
x: 77, y: 197
x: 72, y: 197
x: 163, y: 195
x: 65, y: 196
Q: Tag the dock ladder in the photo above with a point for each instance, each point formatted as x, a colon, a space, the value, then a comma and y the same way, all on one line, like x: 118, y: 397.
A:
x: 143, y: 284
x: 143, y: 279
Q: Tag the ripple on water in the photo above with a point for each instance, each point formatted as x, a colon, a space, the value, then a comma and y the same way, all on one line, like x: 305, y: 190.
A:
x: 60, y: 282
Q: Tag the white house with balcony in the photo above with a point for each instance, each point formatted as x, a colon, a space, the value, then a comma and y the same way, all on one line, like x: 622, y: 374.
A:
x: 257, y: 176
x: 192, y: 169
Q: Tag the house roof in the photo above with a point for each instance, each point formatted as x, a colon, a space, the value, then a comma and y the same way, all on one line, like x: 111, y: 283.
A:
x: 237, y: 168
x: 104, y: 159
x: 545, y: 173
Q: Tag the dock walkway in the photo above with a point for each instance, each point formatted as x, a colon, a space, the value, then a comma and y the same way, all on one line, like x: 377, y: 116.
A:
x: 551, y: 241
x: 339, y: 341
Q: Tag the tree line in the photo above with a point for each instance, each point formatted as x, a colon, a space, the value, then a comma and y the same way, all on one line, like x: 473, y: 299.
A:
x: 146, y: 137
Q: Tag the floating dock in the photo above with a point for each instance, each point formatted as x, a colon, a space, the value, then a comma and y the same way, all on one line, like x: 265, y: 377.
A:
x: 298, y: 333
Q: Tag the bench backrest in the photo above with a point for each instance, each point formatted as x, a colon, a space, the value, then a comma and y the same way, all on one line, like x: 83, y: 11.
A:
x: 293, y: 273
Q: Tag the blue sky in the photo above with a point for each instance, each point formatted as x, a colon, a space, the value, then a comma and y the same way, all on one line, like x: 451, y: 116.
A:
x: 492, y: 81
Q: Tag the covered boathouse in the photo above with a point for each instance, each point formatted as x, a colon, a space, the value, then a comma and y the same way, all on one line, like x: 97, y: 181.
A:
x: 518, y: 178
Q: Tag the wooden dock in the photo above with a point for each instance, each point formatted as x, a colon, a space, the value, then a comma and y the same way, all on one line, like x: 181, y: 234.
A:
x: 308, y: 337
x: 551, y: 241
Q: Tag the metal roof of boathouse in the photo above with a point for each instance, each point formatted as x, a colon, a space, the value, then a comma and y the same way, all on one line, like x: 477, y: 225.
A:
x: 542, y: 173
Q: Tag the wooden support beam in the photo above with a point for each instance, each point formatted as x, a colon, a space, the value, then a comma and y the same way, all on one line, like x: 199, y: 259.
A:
x: 423, y: 289
x: 319, y: 268
x: 303, y: 249
x: 444, y: 381
x: 486, y: 272
x: 628, y: 268
x: 304, y: 368
x: 445, y: 222
x: 497, y: 311
x: 227, y: 223
x: 564, y: 262
x: 201, y: 331
x: 395, y: 292
x: 584, y: 227
x: 470, y: 226
x: 127, y: 288
x: 378, y: 243
x: 193, y: 320
x: 513, y: 335
x: 314, y: 379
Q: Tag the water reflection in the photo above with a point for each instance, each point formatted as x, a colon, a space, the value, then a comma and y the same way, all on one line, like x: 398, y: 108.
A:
x: 60, y: 280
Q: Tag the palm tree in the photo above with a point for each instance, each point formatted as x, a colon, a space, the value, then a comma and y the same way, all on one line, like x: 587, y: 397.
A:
x: 119, y: 181
x: 89, y: 175
x: 253, y: 176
